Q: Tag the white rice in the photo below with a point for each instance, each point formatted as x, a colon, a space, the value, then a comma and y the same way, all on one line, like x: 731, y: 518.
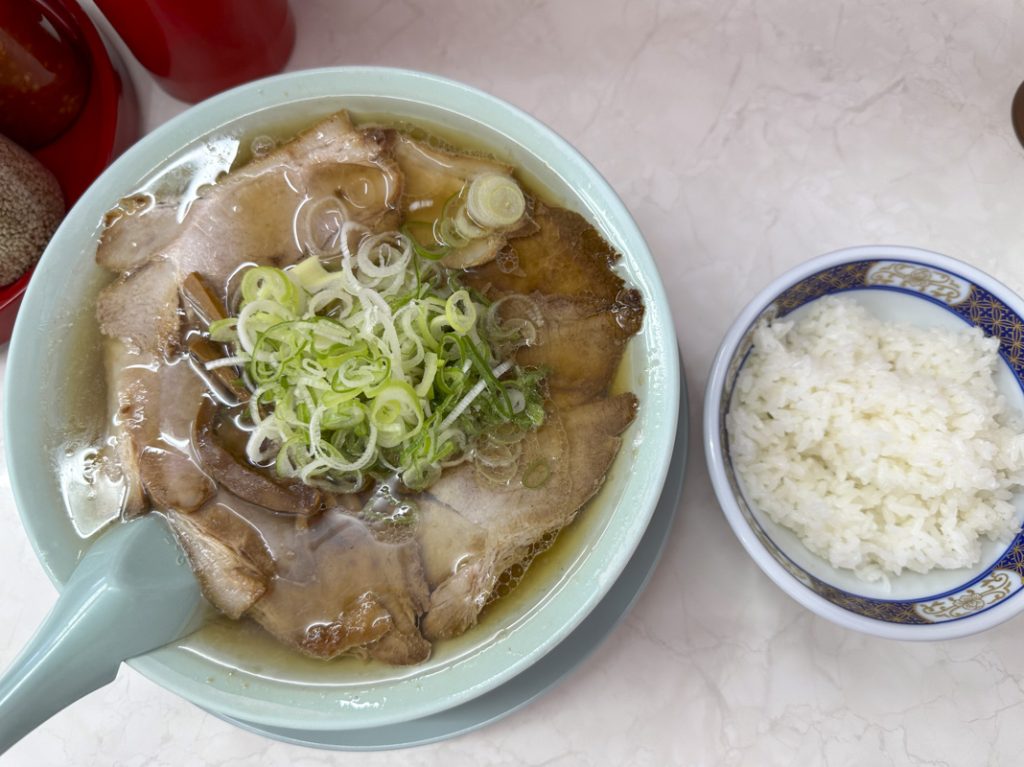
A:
x: 883, y: 446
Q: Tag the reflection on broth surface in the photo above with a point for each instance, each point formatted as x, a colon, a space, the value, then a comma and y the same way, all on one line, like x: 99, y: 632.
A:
x: 366, y: 376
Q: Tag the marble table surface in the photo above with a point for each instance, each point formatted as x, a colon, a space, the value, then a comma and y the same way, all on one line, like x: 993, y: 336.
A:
x: 745, y: 136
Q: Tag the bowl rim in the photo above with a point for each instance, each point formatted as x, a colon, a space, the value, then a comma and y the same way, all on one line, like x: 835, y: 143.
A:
x: 593, y: 195
x: 713, y: 448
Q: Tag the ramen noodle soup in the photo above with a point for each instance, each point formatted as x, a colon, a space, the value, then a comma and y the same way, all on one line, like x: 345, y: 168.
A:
x: 367, y: 378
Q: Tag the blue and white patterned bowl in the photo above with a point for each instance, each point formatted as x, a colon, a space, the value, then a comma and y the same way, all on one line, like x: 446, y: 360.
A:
x: 895, y: 283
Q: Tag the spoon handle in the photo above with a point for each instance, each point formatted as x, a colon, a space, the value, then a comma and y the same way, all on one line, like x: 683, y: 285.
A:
x: 65, y: 660
x: 131, y: 593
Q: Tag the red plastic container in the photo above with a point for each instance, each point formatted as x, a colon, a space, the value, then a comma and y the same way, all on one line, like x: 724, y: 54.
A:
x: 196, y: 48
x: 44, y: 72
x: 106, y: 125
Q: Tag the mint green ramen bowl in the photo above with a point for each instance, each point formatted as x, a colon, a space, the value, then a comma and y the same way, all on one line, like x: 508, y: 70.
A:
x: 245, y: 676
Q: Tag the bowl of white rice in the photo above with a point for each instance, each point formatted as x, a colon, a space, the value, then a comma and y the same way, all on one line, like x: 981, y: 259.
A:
x: 864, y: 432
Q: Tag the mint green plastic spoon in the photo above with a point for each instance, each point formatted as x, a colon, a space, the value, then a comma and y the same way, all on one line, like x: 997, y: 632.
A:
x: 132, y: 592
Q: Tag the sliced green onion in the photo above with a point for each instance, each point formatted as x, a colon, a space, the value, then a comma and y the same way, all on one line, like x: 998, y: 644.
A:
x: 381, y: 366
x: 397, y: 414
x: 495, y: 201
x: 460, y: 312
x: 429, y: 372
x: 224, y: 331
x: 465, y: 226
x: 445, y: 228
x: 431, y: 254
x: 536, y: 474
x: 266, y: 282
x: 310, y: 274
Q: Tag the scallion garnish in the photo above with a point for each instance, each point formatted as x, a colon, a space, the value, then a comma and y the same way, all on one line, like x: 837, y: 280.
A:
x: 382, y: 367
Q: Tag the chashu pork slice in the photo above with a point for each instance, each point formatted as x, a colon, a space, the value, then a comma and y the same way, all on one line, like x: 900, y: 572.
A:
x: 272, y: 211
x: 565, y: 256
x: 471, y: 531
x: 153, y: 406
x: 580, y: 342
x: 326, y: 586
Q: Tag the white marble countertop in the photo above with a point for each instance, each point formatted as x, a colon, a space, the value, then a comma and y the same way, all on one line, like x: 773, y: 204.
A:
x: 745, y: 137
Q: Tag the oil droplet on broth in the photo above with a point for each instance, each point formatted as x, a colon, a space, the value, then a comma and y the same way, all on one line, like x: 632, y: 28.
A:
x: 93, y: 493
x: 262, y: 145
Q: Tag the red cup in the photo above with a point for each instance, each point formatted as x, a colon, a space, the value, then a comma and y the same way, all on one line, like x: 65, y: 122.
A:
x: 196, y: 48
